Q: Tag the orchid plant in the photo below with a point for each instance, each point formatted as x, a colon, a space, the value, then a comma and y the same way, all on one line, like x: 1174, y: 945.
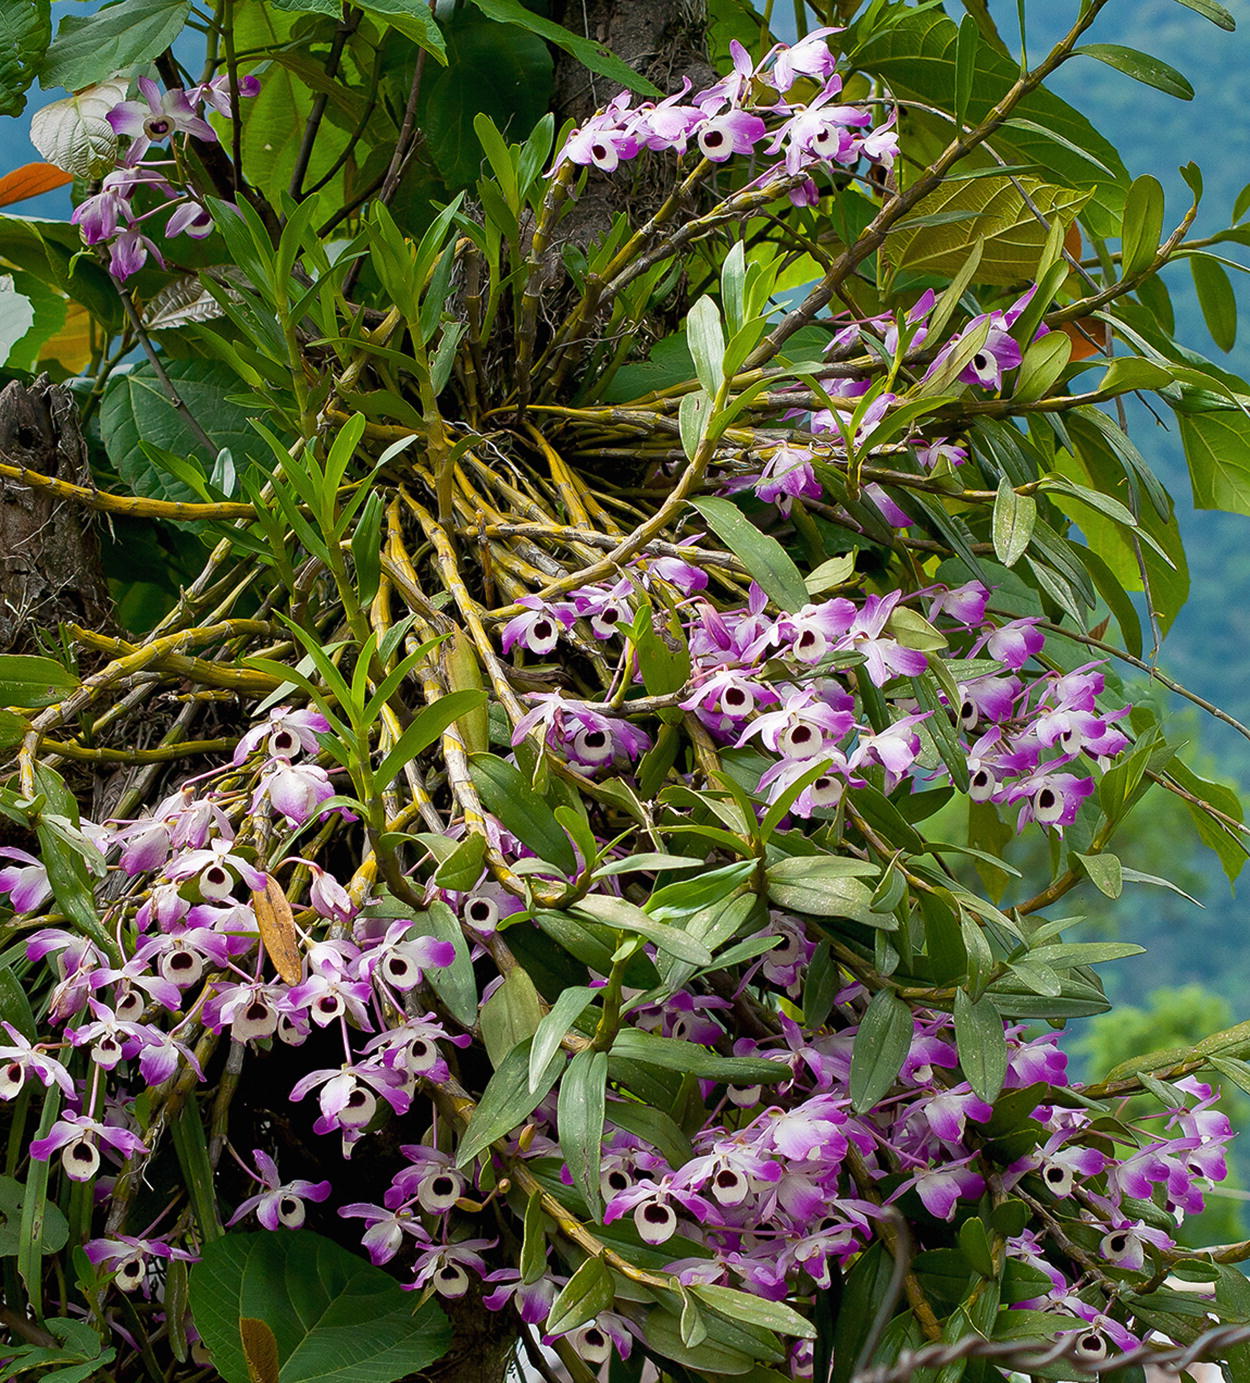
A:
x: 556, y: 907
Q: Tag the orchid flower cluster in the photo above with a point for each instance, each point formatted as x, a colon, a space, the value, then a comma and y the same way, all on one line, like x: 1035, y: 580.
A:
x: 750, y: 110
x: 786, y: 684
x: 113, y: 215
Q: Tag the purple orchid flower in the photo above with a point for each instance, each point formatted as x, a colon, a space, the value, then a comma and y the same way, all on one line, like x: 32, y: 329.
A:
x: 155, y: 118
x: 26, y: 881
x: 21, y: 1059
x: 280, y: 1205
x: 76, y: 1136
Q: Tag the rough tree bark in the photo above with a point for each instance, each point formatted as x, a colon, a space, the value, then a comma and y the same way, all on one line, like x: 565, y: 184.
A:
x: 49, y: 557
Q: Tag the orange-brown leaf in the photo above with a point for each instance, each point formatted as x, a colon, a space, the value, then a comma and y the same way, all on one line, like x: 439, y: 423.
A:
x: 260, y: 1350
x: 30, y: 180
x: 276, y: 925
x: 1087, y: 335
x: 1072, y: 241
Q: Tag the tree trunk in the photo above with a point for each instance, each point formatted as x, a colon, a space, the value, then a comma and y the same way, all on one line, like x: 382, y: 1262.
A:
x: 49, y: 558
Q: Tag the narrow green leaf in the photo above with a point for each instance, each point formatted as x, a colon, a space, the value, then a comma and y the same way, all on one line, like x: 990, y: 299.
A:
x: 533, y: 1260
x: 31, y: 682
x: 982, y: 1044
x: 881, y: 1044
x: 742, y: 1306
x: 579, y: 1118
x: 1104, y: 872
x: 1142, y: 67
x: 31, y: 1231
x: 427, y: 725
x: 506, y: 1102
x: 506, y: 794
x: 1212, y: 10
x: 510, y: 1016
x: 672, y: 1054
x: 706, y: 338
x: 966, y: 46
x: 588, y: 1292
x: 15, y: 1006
x: 554, y: 1027
x: 1216, y: 298
x: 590, y: 54
x: 1142, y: 226
x: 1012, y: 524
x: 762, y: 555
x: 826, y: 886
x: 617, y: 912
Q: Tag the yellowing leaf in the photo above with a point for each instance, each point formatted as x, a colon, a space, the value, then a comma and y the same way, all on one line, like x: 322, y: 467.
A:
x: 71, y: 345
x: 934, y: 239
x: 276, y: 925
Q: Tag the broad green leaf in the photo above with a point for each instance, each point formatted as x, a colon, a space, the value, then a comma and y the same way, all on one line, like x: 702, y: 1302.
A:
x: 710, y: 1357
x: 55, y: 1229
x: 934, y: 237
x: 881, y: 1043
x: 31, y: 682
x: 1217, y: 447
x: 1143, y: 225
x: 411, y: 18
x: 25, y: 28
x: 493, y: 72
x: 982, y: 1044
x: 589, y: 53
x: 1216, y: 298
x: 454, y: 984
x: 1129, y: 372
x: 511, y: 1015
x: 461, y: 870
x: 335, y: 1318
x: 17, y: 313
x: 1227, y: 845
x: 579, y: 1118
x: 762, y: 555
x: 653, y: 1126
x: 582, y: 1297
x: 508, y: 796
x: 916, y: 56
x: 507, y: 1101
x: 89, y: 48
x: 826, y: 886
x: 1012, y: 525
x: 1142, y: 67
x: 135, y: 409
x: 974, y: 1242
